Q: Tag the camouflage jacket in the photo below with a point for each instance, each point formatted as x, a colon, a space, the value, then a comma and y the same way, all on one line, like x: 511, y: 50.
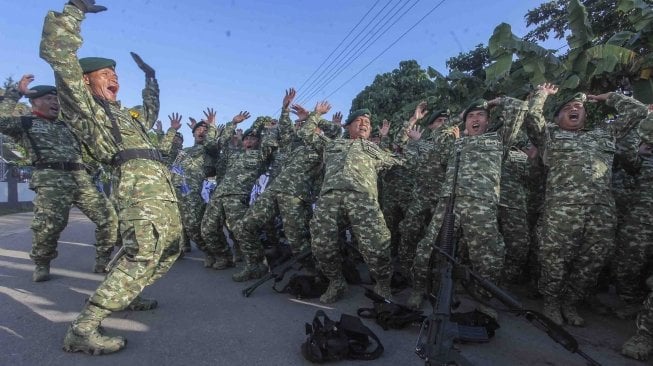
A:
x: 424, y: 157
x: 349, y: 164
x: 191, y: 163
x: 481, y: 157
x: 46, y: 142
x: 280, y: 139
x: 91, y: 119
x: 243, y: 167
x: 580, y: 162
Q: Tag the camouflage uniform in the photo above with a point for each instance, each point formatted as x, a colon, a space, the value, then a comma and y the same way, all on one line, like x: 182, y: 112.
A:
x: 188, y: 177
x: 59, y: 180
x: 640, y: 345
x: 423, y: 157
x: 230, y: 200
x: 477, y: 197
x: 147, y: 209
x: 288, y: 195
x: 578, y: 220
x: 349, y: 190
x: 513, y: 223
x: 635, y: 236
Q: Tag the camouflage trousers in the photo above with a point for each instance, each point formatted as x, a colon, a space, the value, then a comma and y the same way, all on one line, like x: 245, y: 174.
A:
x: 412, y: 229
x: 513, y: 225
x: 192, y: 208
x: 51, y: 209
x: 294, y: 212
x: 368, y: 228
x: 575, y: 242
x: 480, y: 240
x: 222, y: 211
x: 634, y: 252
x: 394, y: 205
x: 150, y: 233
x: 644, y: 320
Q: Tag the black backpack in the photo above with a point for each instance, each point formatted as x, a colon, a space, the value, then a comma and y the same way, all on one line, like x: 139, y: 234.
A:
x: 347, y: 339
x: 304, y: 286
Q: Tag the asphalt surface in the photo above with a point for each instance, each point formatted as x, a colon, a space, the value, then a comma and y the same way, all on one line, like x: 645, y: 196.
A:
x: 203, y: 319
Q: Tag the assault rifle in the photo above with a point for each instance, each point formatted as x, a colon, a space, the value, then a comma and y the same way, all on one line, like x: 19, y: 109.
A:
x: 278, y: 272
x: 438, y: 333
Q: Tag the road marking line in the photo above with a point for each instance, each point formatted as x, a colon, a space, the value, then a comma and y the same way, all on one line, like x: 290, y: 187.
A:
x: 311, y: 304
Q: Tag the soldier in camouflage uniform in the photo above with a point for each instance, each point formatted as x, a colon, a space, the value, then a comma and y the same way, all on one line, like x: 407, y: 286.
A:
x: 635, y: 236
x: 147, y: 209
x: 477, y: 194
x: 640, y: 345
x: 287, y: 194
x: 513, y: 223
x: 188, y: 177
x: 350, y: 191
x: 423, y: 157
x: 231, y: 198
x: 59, y: 180
x: 577, y: 231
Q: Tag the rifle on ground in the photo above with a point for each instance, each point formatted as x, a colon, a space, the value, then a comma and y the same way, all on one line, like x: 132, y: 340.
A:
x: 278, y: 272
x: 438, y: 333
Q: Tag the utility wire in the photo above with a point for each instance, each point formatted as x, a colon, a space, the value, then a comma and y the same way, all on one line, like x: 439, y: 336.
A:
x: 387, y: 48
x: 360, y: 35
x: 360, y: 53
x: 348, y: 48
x: 339, y: 44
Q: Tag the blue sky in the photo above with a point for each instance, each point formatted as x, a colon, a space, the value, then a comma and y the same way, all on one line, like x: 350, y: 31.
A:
x: 241, y: 55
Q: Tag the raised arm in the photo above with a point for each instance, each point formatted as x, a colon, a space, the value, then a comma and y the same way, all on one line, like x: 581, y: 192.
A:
x: 630, y: 110
x: 151, y: 104
x: 59, y: 44
x: 310, y: 132
x: 535, y: 121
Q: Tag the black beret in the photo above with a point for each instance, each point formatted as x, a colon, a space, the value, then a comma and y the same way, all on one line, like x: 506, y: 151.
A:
x: 198, y: 125
x: 478, y: 104
x: 90, y: 64
x: 41, y: 90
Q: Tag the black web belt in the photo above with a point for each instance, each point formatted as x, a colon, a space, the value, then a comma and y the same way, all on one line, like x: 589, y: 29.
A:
x: 60, y: 165
x: 126, y: 155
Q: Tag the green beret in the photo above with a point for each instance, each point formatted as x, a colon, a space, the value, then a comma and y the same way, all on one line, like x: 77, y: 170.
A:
x: 439, y: 113
x: 566, y: 98
x: 478, y: 104
x: 357, y: 113
x: 251, y: 132
x: 41, y: 90
x: 198, y: 125
x: 90, y: 64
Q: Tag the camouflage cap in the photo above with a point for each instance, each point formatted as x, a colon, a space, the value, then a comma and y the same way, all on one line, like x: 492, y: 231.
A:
x: 90, y: 64
x: 439, y: 113
x: 477, y: 105
x: 358, y: 113
x: 41, y: 90
x: 199, y: 124
x: 566, y: 98
x: 178, y: 134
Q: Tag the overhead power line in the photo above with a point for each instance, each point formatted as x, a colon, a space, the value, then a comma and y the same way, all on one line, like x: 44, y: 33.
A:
x: 387, y: 48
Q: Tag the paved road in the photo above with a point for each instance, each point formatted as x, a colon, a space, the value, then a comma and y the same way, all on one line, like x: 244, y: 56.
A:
x: 203, y: 320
